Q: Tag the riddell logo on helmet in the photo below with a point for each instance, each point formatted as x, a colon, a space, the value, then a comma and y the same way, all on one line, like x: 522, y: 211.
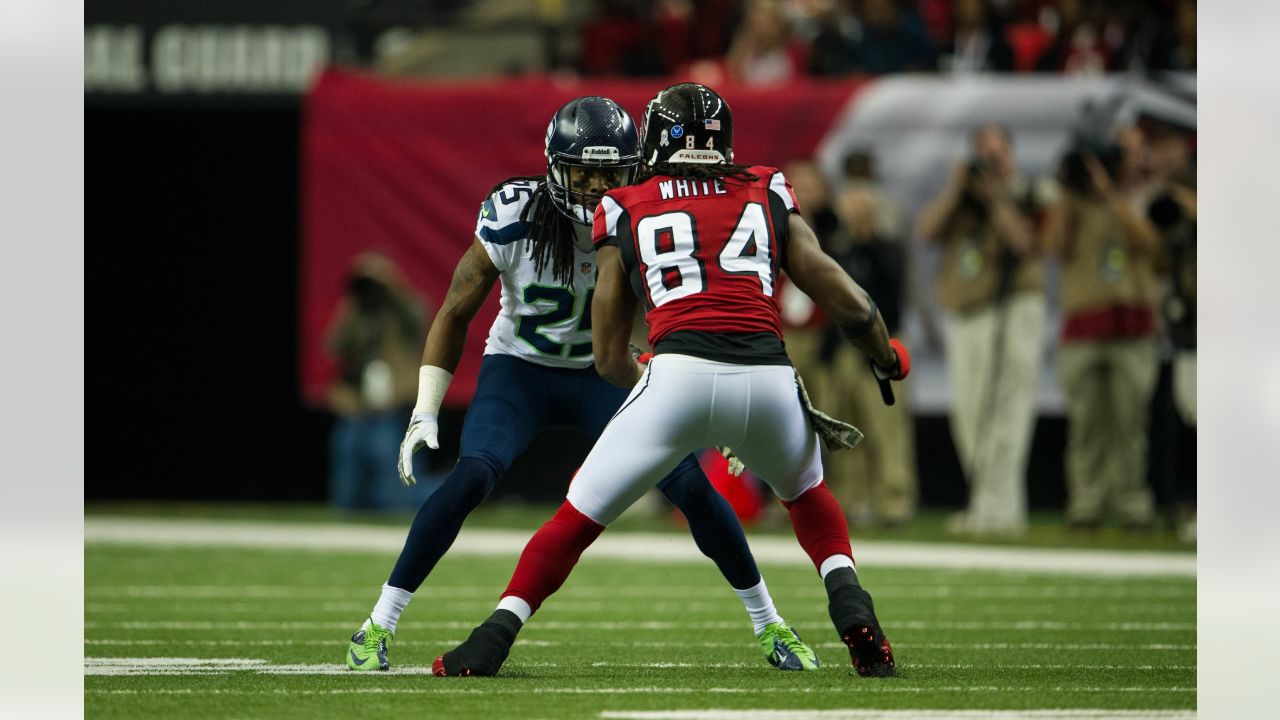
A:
x: 600, y: 152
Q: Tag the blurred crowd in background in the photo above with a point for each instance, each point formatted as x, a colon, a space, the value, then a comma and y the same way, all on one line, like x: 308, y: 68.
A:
x: 769, y: 41
x: 774, y: 41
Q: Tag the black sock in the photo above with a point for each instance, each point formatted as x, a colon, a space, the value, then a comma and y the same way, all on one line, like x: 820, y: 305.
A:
x: 840, y: 577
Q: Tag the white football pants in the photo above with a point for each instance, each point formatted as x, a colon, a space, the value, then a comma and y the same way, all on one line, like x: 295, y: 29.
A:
x: 684, y: 403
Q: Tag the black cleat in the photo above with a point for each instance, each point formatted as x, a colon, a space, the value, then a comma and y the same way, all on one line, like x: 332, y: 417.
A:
x: 483, y: 653
x: 854, y: 616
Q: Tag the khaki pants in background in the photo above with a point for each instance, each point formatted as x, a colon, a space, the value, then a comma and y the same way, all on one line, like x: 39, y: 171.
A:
x: 1108, y: 387
x: 803, y: 347
x: 993, y: 400
x: 878, y: 477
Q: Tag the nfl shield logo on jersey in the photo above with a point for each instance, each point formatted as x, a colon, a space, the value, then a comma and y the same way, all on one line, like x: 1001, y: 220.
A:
x: 586, y: 268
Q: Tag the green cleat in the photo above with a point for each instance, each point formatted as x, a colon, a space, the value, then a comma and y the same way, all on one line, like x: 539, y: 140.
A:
x: 784, y: 649
x: 369, y: 643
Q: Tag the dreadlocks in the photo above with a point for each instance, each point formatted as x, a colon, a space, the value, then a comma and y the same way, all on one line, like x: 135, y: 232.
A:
x: 698, y: 171
x: 550, y: 231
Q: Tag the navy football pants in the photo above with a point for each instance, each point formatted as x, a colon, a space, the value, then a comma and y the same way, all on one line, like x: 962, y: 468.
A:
x: 514, y: 400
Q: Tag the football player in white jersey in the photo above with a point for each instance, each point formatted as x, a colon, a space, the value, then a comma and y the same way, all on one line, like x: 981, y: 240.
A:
x: 534, y: 235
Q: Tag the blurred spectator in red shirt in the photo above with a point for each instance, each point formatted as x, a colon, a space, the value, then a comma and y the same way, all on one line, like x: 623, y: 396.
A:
x: 650, y: 38
x: 1081, y: 44
x: 616, y: 41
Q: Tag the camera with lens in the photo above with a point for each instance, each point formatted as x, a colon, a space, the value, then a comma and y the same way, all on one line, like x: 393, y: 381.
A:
x: 978, y: 167
x: 1092, y: 136
x: 369, y: 294
x: 1074, y: 173
x: 971, y: 198
x: 1178, y: 232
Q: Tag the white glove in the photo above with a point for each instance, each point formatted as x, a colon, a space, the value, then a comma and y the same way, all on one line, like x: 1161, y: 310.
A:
x: 735, y: 465
x: 423, y: 430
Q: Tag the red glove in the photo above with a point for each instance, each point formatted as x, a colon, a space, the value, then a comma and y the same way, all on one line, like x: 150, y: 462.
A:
x: 641, y: 357
x: 903, y: 367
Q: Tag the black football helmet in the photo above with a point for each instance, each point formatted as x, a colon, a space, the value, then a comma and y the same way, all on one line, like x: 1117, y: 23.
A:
x: 687, y: 123
x: 592, y: 146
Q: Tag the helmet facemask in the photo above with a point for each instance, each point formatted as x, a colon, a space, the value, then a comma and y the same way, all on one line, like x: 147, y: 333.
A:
x: 577, y: 185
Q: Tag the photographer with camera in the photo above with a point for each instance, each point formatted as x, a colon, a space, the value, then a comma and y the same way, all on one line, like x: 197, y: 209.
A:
x: 375, y: 337
x: 1108, y: 250
x: 991, y: 283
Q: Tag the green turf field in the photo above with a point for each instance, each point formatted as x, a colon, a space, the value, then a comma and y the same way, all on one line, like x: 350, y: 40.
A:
x: 217, y: 632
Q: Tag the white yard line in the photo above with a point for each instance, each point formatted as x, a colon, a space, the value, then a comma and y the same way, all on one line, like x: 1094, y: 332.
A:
x: 524, y: 642
x: 688, y: 610
x: 899, y: 714
x: 1101, y: 590
x: 117, y: 666
x: 463, y: 687
x: 1023, y: 625
x: 627, y: 546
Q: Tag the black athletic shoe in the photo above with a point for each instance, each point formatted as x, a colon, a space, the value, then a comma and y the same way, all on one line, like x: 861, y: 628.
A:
x: 483, y: 653
x: 854, y: 616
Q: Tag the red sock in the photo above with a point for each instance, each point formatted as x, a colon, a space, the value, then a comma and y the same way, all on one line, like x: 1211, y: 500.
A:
x: 819, y: 524
x: 551, y: 554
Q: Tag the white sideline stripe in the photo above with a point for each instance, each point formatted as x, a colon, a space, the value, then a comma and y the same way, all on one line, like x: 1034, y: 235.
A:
x: 457, y: 687
x: 1027, y: 625
x: 895, y: 714
x: 944, y: 666
x: 717, y: 608
x: 220, y: 666
x: 120, y: 642
x: 117, y: 666
x: 627, y: 546
x: 886, y: 590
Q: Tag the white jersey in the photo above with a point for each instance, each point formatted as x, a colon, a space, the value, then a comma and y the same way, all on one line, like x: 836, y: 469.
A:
x: 542, y: 320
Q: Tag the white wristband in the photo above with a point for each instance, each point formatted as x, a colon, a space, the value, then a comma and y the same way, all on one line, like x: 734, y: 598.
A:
x: 432, y: 384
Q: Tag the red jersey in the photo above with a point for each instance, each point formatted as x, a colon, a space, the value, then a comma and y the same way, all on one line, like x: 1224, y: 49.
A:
x: 703, y: 256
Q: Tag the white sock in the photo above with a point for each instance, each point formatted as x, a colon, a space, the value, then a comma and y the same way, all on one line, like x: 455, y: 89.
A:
x: 517, y: 606
x: 759, y: 605
x: 391, y: 603
x: 835, y: 562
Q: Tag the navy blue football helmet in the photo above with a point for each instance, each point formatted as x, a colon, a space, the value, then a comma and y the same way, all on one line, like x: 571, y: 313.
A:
x: 687, y: 123
x: 592, y: 146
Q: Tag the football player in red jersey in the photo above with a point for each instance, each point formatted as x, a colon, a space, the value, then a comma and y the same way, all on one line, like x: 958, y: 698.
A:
x: 700, y: 241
